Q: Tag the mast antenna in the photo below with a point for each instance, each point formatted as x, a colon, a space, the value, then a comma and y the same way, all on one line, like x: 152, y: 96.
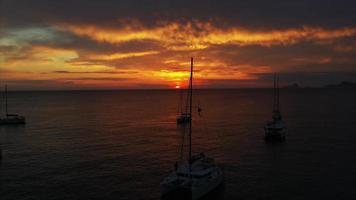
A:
x: 191, y: 116
x: 6, y: 100
x: 278, y: 92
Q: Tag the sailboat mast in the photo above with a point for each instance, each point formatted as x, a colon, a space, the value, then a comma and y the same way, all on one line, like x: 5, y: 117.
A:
x: 6, y: 100
x: 180, y: 106
x: 277, y: 92
x: 274, y: 93
x: 191, y: 115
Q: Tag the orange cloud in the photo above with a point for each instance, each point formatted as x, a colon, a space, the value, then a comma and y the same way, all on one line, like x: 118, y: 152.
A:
x: 199, y: 35
x: 38, y: 59
x: 117, y: 56
x: 167, y: 67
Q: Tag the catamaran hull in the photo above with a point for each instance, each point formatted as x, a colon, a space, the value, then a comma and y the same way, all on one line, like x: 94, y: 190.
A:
x: 172, y: 192
x: 198, y: 193
x: 183, y: 120
x: 12, y: 121
x: 271, y: 134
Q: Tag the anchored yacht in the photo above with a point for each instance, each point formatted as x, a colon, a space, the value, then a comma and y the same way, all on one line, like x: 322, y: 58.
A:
x: 275, y: 129
x: 196, y: 177
x: 11, y: 119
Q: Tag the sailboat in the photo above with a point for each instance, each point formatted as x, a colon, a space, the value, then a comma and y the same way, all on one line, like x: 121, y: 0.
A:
x: 11, y: 119
x: 196, y: 177
x: 183, y: 116
x: 275, y: 129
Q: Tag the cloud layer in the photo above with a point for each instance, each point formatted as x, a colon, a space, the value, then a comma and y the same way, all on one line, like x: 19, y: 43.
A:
x: 142, y: 44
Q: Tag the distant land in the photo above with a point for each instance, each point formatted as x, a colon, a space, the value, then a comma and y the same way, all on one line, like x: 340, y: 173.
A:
x: 293, y: 86
x: 344, y: 84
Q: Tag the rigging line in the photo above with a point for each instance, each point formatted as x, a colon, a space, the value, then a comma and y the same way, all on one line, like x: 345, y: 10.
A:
x: 199, y: 105
x: 216, y: 134
x: 180, y: 110
x: 6, y: 101
x: 181, y: 156
x: 191, y: 117
x: 278, y: 92
x: 187, y: 100
x: 1, y: 102
x: 274, y: 93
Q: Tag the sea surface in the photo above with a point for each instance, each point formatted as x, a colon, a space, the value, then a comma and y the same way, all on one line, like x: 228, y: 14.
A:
x: 121, y: 144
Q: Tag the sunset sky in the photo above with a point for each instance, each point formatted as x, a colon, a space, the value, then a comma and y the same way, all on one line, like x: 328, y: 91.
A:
x: 123, y: 44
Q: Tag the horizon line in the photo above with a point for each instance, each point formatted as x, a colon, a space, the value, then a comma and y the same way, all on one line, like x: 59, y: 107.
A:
x: 167, y: 89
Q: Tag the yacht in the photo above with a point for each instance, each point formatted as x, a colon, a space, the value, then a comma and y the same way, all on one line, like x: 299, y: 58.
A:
x: 183, y: 116
x: 275, y: 129
x: 11, y: 119
x: 196, y: 177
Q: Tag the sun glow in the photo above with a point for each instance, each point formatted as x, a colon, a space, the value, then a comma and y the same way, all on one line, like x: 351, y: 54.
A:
x: 173, y: 75
x: 201, y: 35
x: 158, y: 56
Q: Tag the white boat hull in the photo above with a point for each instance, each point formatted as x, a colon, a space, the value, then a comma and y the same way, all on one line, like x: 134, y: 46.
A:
x: 12, y: 120
x: 196, y: 191
x: 207, y: 188
x: 275, y: 130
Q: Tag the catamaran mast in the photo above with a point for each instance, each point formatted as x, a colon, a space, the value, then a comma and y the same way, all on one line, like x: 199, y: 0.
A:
x: 276, y: 93
x: 186, y: 102
x: 6, y: 100
x: 180, y: 106
x: 191, y: 115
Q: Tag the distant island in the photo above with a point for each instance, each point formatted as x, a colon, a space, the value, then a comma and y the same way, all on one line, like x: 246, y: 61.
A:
x: 293, y: 86
x: 344, y: 84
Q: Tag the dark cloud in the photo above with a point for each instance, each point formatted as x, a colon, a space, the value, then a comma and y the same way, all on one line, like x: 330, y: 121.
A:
x: 265, y: 80
x: 7, y: 48
x: 303, y: 56
x: 310, y: 79
x: 84, y: 45
x: 40, y: 85
x: 257, y: 14
x: 96, y: 72
x: 309, y: 60
x: 51, y: 37
x: 231, y: 83
x: 96, y: 79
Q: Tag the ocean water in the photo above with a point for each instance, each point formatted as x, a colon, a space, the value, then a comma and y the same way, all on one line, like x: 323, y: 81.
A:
x: 121, y: 144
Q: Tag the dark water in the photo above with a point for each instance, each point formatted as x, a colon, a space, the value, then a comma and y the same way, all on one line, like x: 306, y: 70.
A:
x: 121, y: 144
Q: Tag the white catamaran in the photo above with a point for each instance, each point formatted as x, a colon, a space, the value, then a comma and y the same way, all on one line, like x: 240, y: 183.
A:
x: 183, y: 116
x: 11, y: 119
x: 275, y: 129
x: 196, y: 177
